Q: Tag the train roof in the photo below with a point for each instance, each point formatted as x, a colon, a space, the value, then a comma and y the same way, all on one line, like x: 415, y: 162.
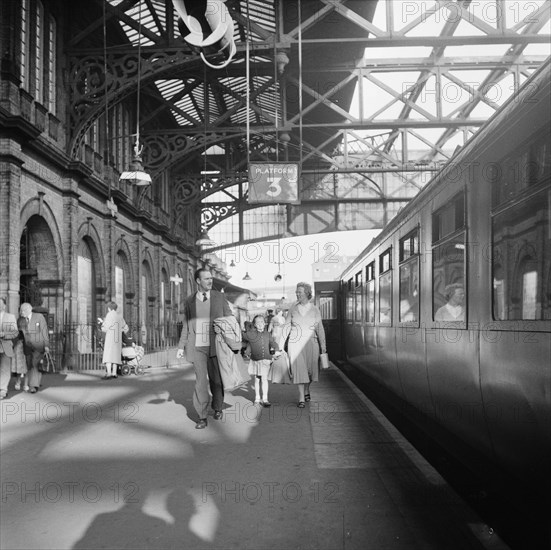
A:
x: 538, y: 83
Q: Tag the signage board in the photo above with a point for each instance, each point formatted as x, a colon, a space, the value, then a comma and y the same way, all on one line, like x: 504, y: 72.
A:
x: 273, y: 182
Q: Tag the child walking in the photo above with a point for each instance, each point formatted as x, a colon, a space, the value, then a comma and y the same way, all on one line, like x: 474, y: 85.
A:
x: 262, y: 346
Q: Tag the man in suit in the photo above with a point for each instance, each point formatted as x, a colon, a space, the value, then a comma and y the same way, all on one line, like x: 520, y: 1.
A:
x: 36, y: 342
x: 197, y: 344
x: 8, y: 331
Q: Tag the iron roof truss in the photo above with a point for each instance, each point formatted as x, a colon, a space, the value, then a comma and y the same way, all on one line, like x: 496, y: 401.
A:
x: 375, y: 154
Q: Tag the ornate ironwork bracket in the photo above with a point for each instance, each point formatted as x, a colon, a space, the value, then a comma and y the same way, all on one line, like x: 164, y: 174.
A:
x: 191, y: 190
x: 88, y: 84
x: 163, y: 150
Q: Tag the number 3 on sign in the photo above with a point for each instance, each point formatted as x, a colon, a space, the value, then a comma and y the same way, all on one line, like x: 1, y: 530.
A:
x: 274, y: 189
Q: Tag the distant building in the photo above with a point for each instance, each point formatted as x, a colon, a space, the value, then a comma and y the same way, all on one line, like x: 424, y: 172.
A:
x: 330, y: 268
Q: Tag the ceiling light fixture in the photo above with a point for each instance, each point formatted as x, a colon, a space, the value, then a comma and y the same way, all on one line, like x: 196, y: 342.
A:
x: 136, y: 173
x: 204, y: 240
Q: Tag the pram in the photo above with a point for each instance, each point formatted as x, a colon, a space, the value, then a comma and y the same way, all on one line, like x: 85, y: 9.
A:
x: 131, y: 357
x: 131, y: 354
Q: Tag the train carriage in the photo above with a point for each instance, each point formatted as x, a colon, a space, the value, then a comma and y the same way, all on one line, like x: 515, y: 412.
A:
x: 449, y: 308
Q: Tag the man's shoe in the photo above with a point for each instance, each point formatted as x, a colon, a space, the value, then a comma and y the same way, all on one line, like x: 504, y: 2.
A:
x: 217, y: 415
x: 201, y: 424
x: 3, y: 394
x: 266, y: 404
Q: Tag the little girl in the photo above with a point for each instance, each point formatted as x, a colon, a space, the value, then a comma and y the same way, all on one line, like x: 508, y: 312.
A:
x: 262, y: 346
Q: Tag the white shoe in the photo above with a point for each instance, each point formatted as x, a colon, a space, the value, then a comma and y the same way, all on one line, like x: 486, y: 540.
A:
x: 26, y: 388
x: 3, y: 394
x: 17, y: 386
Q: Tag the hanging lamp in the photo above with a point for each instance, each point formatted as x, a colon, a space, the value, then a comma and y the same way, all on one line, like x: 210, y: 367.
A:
x: 204, y: 239
x: 136, y: 173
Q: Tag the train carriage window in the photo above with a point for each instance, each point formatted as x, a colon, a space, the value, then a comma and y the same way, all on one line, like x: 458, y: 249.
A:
x: 521, y: 259
x: 327, y: 305
x: 448, y: 276
x: 498, y: 292
x: 409, y: 278
x: 528, y: 168
x: 350, y: 300
x: 409, y: 246
x: 370, y: 293
x: 358, y: 297
x: 449, y: 219
x: 448, y: 261
x: 385, y: 288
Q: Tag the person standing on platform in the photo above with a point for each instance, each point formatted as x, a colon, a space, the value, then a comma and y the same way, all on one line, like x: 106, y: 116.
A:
x: 8, y: 331
x: 113, y: 325
x: 36, y: 342
x: 19, y: 361
x: 262, y: 348
x: 306, y: 340
x: 197, y: 344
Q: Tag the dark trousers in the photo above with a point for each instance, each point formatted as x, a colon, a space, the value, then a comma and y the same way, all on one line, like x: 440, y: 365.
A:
x: 207, y: 375
x: 34, y: 375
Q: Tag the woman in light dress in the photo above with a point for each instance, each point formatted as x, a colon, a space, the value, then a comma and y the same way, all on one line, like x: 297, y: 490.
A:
x: 113, y: 325
x: 305, y: 338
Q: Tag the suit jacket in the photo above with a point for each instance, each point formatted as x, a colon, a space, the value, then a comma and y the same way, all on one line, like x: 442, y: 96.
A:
x: 36, y: 336
x: 9, y: 332
x: 219, y: 307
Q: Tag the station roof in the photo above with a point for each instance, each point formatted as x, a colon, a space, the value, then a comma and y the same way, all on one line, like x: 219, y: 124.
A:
x: 349, y: 89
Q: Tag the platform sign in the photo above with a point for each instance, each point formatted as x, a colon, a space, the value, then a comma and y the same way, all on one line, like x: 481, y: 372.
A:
x: 273, y: 182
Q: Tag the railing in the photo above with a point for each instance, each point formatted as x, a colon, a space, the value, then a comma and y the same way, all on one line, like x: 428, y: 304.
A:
x: 39, y: 115
x: 78, y: 347
x: 156, y: 337
x: 162, y: 217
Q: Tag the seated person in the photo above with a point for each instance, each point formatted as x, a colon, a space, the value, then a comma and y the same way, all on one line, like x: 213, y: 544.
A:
x: 453, y: 310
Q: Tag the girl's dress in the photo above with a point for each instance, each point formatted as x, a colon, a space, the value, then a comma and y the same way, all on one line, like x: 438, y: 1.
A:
x: 261, y: 344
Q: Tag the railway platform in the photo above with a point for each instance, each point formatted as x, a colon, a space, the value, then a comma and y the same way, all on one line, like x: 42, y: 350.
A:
x: 88, y: 463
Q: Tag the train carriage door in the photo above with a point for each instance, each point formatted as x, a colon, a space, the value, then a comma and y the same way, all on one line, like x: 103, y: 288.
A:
x: 327, y: 298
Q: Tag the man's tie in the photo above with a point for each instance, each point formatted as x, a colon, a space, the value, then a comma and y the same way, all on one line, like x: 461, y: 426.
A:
x: 204, y: 296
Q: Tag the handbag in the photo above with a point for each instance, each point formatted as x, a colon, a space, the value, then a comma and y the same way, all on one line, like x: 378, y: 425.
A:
x: 280, y: 370
x: 324, y: 361
x: 43, y: 361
